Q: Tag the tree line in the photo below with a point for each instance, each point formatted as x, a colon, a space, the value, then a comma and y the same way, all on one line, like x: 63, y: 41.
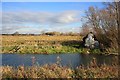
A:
x: 54, y: 33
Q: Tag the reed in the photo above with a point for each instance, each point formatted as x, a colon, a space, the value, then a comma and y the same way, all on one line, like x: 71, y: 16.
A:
x: 59, y: 71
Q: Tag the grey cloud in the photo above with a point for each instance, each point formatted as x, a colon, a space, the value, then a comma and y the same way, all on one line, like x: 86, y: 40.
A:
x: 8, y: 28
x: 39, y: 17
x: 16, y: 21
x: 21, y: 17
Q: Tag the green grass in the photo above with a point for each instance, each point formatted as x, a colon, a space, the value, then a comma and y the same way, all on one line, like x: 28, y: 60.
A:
x: 41, y: 49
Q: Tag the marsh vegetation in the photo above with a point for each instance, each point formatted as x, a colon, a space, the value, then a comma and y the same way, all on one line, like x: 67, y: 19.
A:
x: 58, y: 71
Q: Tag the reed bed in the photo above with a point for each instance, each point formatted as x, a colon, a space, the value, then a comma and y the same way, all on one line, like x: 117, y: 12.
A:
x: 58, y: 71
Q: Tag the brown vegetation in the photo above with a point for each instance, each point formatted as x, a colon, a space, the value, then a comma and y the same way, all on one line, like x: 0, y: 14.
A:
x: 105, y: 24
x: 59, y: 71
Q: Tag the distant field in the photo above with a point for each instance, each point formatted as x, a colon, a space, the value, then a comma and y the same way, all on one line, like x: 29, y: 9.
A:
x: 33, y: 40
x: 40, y: 44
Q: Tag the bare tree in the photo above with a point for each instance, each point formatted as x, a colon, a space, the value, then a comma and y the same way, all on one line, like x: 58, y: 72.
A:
x: 105, y: 23
x: 85, y: 29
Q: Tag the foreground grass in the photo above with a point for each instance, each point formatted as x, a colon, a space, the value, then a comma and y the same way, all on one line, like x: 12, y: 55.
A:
x: 58, y: 71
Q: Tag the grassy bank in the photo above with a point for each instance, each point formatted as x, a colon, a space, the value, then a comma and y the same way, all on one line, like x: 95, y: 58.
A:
x: 44, y: 44
x: 59, y: 71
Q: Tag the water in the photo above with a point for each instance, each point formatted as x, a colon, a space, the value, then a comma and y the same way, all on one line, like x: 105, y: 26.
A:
x: 71, y: 60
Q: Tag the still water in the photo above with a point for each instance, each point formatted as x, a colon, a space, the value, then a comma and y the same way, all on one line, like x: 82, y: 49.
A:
x: 71, y: 60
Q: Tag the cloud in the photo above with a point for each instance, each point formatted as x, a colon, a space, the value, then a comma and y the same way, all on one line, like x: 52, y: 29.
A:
x: 40, y: 17
x: 23, y: 17
x: 65, y: 29
x: 66, y: 17
x: 17, y: 21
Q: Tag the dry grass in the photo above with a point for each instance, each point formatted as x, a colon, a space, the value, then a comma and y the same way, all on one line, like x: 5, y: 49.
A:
x: 59, y: 71
x: 38, y: 38
x: 38, y: 44
x: 46, y: 71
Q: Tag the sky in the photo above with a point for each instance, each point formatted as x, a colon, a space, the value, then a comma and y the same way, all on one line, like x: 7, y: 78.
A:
x: 57, y: 0
x: 36, y: 17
